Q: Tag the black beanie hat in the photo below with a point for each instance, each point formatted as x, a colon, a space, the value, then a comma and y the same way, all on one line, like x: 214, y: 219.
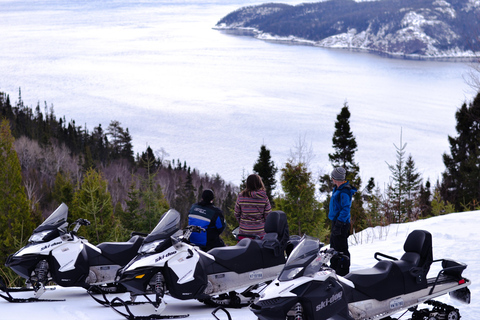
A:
x: 207, y: 195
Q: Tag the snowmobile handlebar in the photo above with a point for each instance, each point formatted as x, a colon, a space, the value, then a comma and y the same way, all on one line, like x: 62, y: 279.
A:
x: 193, y: 228
x: 80, y: 222
x: 188, y: 232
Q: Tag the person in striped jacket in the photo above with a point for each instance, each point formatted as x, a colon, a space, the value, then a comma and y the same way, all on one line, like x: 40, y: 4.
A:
x: 252, y: 207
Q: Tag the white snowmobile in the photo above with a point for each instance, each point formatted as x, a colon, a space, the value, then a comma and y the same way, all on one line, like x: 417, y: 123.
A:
x: 55, y: 254
x: 308, y: 288
x: 168, y: 263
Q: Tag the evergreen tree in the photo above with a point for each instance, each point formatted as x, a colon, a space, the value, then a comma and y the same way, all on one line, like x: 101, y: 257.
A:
x: 154, y: 204
x: 126, y: 150
x: 405, y: 186
x: 345, y: 145
x: 63, y: 189
x: 425, y: 201
x: 413, y: 184
x: 16, y: 221
x: 460, y: 185
x: 303, y: 210
x: 115, y: 131
x: 93, y: 202
x: 266, y: 169
x: 131, y: 216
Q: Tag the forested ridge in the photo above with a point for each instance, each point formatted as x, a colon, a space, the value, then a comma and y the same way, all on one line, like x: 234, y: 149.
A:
x: 63, y: 162
x: 45, y: 160
x: 408, y: 27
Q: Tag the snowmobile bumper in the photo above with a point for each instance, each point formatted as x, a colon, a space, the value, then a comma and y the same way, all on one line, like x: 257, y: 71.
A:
x: 273, y: 309
x: 462, y: 295
x: 24, y: 265
x: 136, y: 281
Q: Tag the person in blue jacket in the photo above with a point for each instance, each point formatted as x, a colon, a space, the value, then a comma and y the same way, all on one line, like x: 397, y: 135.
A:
x: 204, y: 214
x: 339, y: 213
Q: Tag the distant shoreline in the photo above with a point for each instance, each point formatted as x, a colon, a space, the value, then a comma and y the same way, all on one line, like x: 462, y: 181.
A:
x: 255, y: 33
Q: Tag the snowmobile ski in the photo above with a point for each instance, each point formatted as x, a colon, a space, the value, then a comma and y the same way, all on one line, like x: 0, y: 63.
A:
x: 214, y: 313
x: 7, y: 296
x: 130, y: 316
x: 107, y: 303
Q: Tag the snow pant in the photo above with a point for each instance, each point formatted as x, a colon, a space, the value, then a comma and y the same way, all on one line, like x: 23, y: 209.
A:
x: 339, y: 242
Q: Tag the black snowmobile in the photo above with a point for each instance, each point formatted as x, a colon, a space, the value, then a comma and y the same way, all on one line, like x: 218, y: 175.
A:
x: 308, y: 288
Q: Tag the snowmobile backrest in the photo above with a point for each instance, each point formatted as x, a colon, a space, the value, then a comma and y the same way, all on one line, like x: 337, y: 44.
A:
x: 418, y: 249
x: 277, y: 234
x: 277, y: 223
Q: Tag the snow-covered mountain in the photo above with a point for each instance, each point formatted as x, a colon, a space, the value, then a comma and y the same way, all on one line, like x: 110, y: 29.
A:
x: 408, y: 28
x: 455, y: 236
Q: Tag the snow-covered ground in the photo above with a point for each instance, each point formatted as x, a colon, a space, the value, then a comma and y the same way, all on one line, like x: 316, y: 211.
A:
x: 455, y: 236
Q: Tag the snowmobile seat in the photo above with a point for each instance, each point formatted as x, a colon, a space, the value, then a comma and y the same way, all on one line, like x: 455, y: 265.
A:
x: 121, y: 252
x: 277, y: 233
x: 392, y: 277
x: 242, y: 257
x: 381, y: 282
x: 417, y: 259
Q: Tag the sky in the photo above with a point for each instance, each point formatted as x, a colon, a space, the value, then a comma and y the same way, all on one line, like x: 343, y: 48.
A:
x: 455, y: 236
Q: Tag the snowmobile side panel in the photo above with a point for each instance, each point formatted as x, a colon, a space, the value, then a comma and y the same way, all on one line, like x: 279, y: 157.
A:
x: 74, y: 276
x: 193, y: 289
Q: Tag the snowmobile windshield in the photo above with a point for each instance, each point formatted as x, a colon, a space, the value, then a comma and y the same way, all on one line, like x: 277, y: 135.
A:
x: 300, y: 257
x: 52, y: 227
x: 56, y: 220
x: 168, y: 225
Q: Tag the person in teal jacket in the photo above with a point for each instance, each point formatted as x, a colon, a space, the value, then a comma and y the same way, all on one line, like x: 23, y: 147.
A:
x: 339, y: 213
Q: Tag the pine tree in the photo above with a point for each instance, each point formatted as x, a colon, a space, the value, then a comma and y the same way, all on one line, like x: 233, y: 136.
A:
x: 345, y: 145
x: 266, y: 169
x: 413, y: 184
x: 425, y: 201
x: 93, y: 202
x: 405, y: 186
x: 461, y: 179
x: 63, y: 189
x: 16, y: 220
x: 153, y: 202
x: 303, y: 210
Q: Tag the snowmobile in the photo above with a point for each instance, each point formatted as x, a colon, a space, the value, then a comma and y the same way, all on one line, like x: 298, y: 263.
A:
x: 168, y: 263
x: 308, y: 288
x: 54, y: 253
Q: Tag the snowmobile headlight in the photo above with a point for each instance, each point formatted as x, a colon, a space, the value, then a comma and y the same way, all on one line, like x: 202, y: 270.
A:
x: 150, y: 247
x: 38, y: 236
x: 293, y: 273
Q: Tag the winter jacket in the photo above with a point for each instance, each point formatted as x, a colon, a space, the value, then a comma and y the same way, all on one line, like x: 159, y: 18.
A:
x: 341, y: 202
x: 251, y: 212
x: 212, y: 220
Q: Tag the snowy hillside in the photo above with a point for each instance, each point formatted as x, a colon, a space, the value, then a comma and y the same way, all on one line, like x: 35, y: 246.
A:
x: 455, y: 236
x: 409, y: 28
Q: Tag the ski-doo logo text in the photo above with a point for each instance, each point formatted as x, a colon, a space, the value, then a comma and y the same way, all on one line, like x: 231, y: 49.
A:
x: 50, y: 245
x: 163, y: 256
x: 336, y: 297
